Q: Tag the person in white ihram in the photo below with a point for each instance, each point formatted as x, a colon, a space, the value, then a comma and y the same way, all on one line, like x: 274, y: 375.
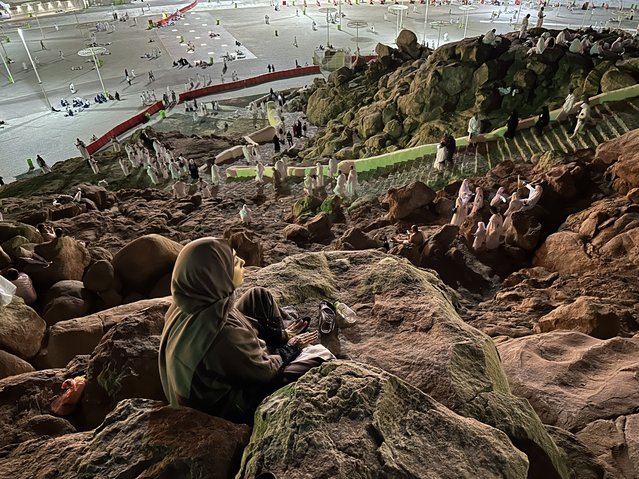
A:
x: 245, y: 215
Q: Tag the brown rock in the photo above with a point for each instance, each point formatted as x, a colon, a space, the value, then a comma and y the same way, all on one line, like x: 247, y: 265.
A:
x: 66, y: 300
x: 142, y: 262
x: 319, y: 227
x: 585, y: 315
x: 100, y: 276
x: 81, y: 335
x: 633, y: 195
x: 10, y: 365
x: 21, y: 329
x: 524, y: 231
x: 356, y: 239
x: 68, y: 259
x: 563, y: 252
x: 572, y: 379
x: 409, y: 201
x: 250, y: 250
x: 296, y: 233
x: 123, y: 365
x: 141, y: 438
x: 615, y: 442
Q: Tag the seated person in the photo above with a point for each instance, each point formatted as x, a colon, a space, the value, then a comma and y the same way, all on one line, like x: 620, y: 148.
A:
x: 47, y: 233
x: 221, y: 355
x: 416, y: 236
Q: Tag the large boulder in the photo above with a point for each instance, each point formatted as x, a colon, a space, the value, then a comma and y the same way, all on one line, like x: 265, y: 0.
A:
x: 247, y: 248
x: 564, y: 252
x: 362, y: 423
x: 100, y: 276
x: 21, y: 329
x: 586, y: 315
x: 319, y: 227
x: 356, y: 239
x: 9, y: 229
x: 10, y: 365
x: 626, y: 169
x: 524, y: 231
x: 68, y: 259
x: 618, y: 148
x: 407, y: 43
x: 142, y: 262
x: 123, y: 365
x: 25, y: 401
x: 141, y: 438
x: 66, y: 300
x: 409, y: 202
x: 615, y: 442
x: 77, y: 336
x: 408, y: 326
x: 572, y: 379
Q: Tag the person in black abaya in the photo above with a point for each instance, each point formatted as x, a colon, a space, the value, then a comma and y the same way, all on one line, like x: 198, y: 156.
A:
x: 511, y: 125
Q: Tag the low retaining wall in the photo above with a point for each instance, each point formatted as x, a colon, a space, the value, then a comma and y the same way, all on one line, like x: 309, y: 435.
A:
x: 410, y: 154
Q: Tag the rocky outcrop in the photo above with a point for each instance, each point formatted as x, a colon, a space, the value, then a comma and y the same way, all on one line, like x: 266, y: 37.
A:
x: 562, y: 374
x: 21, y: 329
x: 123, y: 365
x: 77, y: 336
x: 410, y: 202
x: 141, y: 438
x: 586, y: 315
x: 409, y: 327
x: 364, y: 423
x: 11, y: 365
x: 142, y: 262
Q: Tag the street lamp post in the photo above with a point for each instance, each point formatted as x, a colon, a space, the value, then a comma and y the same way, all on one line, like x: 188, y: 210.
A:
x: 357, y: 24
x: 46, y: 98
x: 467, y: 8
x: 327, y: 10
x: 425, y: 20
x: 10, y: 77
x: 39, y: 26
x: 91, y: 51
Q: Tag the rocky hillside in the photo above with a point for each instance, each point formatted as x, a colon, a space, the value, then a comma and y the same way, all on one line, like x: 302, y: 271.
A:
x: 516, y: 362
x: 412, y: 96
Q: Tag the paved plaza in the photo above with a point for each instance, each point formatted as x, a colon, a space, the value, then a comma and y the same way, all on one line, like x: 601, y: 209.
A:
x: 31, y: 129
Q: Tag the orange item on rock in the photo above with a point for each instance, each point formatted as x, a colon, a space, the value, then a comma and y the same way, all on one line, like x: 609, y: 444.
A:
x: 65, y: 403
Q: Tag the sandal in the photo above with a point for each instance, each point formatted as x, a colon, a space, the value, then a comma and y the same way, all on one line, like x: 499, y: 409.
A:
x: 327, y: 316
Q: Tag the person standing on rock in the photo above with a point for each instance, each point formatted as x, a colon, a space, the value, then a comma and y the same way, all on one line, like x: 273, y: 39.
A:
x: 124, y: 166
x: 259, y: 172
x: 153, y: 174
x: 280, y: 166
x: 583, y: 117
x: 494, y: 230
x: 523, y: 30
x: 215, y: 175
x: 82, y: 148
x: 340, y: 187
x: 245, y: 215
x: 332, y: 167
x: 478, y: 202
x: 514, y: 206
x: 540, y: 18
x: 511, y: 125
x: 569, y: 105
x: 319, y: 172
x: 115, y: 144
x: 480, y: 236
x: 94, y: 165
x: 451, y: 148
x: 223, y: 355
x: 441, y: 155
x: 474, y: 128
x: 203, y: 188
x: 459, y: 212
x: 543, y: 121
x: 351, y: 182
x: 276, y: 143
x: 179, y: 189
x: 193, y: 170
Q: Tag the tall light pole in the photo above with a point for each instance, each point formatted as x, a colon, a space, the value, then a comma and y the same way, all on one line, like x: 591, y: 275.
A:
x: 91, y: 51
x: 10, y: 77
x: 425, y: 20
x: 46, y: 98
x: 39, y: 26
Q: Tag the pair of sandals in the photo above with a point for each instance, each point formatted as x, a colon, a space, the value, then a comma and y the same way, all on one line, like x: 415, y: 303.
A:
x: 327, y: 318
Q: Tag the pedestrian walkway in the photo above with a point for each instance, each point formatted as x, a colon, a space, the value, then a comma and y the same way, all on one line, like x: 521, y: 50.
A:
x: 610, y: 120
